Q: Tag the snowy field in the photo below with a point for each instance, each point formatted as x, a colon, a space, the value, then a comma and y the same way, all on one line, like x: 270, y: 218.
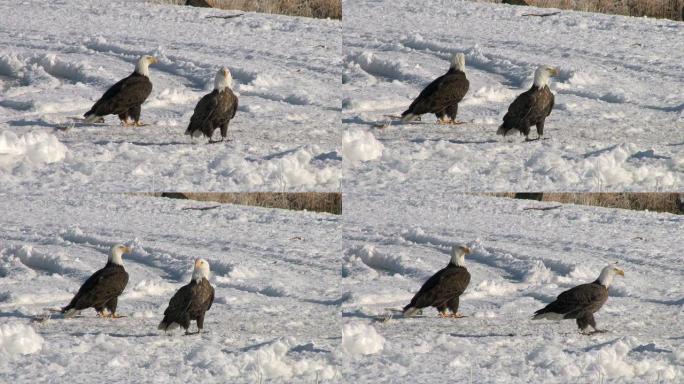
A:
x: 272, y: 319
x: 522, y: 259
x: 618, y: 123
x: 58, y: 58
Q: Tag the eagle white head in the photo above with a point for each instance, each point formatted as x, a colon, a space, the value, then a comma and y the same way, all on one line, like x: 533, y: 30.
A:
x: 142, y: 67
x: 543, y: 75
x: 223, y: 79
x: 458, y: 253
x: 201, y: 270
x: 608, y: 273
x: 116, y: 251
x: 458, y: 61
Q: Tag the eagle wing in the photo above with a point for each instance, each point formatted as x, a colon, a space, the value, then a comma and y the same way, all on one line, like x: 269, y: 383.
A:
x: 577, y: 300
x: 128, y: 92
x: 442, y: 287
x: 100, y: 287
x: 443, y: 92
x: 180, y: 302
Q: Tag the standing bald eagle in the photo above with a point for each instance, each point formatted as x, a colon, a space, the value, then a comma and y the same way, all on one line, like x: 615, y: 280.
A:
x: 443, y: 289
x: 190, y: 302
x: 215, y: 109
x: 442, y: 96
x: 531, y: 107
x: 103, y: 288
x: 126, y: 96
x: 582, y: 301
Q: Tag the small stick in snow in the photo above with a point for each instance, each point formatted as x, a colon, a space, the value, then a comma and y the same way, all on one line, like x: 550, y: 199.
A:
x: 223, y: 16
x: 199, y: 208
x: 541, y: 208
x: 541, y: 14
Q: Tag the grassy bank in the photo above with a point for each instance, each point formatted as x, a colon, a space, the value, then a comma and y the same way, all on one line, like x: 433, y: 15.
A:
x: 320, y: 9
x: 299, y: 201
x: 651, y: 201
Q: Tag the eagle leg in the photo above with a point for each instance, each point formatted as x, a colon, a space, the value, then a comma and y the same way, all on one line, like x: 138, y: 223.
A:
x: 444, y: 314
x: 103, y: 315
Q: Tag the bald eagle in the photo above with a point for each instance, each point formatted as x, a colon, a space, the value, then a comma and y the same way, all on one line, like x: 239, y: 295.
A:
x: 582, y: 301
x: 443, y: 289
x: 530, y: 107
x: 215, y: 109
x: 103, y: 288
x: 442, y: 96
x: 126, y: 96
x: 190, y: 302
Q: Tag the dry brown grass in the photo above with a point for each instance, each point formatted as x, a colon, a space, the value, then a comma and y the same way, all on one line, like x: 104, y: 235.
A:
x: 299, y: 201
x: 652, y: 201
x: 667, y: 9
x: 320, y: 9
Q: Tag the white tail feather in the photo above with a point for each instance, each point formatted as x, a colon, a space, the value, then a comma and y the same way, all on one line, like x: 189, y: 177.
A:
x: 411, y: 311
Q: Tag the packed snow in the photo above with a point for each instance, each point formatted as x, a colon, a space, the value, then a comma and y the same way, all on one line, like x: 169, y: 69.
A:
x: 275, y: 316
x: 618, y: 121
x: 58, y: 58
x: 522, y: 259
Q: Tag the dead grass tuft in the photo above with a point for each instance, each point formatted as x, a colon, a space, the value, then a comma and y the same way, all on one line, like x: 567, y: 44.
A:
x: 320, y: 9
x: 651, y: 201
x: 330, y: 202
x: 663, y: 9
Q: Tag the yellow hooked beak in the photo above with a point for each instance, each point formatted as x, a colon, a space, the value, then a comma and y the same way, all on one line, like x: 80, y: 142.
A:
x: 554, y: 71
x: 620, y: 272
x: 154, y: 60
x: 127, y: 250
x: 198, y: 262
x: 466, y: 250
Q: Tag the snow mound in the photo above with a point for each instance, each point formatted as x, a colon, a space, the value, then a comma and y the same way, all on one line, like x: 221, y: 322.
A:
x: 32, y: 147
x: 361, y: 339
x: 271, y: 361
x: 19, y: 339
x: 359, y: 146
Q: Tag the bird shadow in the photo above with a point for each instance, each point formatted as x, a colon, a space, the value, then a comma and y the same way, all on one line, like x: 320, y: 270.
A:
x: 80, y: 334
x: 485, y: 335
x: 17, y: 315
x: 26, y: 123
x: 357, y: 314
x: 422, y: 140
x: 667, y: 302
x: 139, y: 143
x: 335, y: 302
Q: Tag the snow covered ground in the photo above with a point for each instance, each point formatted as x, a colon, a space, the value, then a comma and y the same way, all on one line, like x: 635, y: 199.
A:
x: 59, y: 57
x: 618, y: 123
x: 272, y: 320
x: 521, y: 260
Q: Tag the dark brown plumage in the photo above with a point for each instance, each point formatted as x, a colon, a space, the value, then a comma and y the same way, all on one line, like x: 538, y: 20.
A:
x: 103, y: 288
x: 581, y: 302
x: 442, y: 96
x: 214, y: 110
x: 443, y: 289
x: 125, y: 98
x: 531, y: 107
x: 190, y: 302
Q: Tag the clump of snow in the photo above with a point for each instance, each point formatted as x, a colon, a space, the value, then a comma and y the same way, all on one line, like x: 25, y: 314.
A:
x: 271, y: 361
x: 359, y: 145
x: 31, y: 147
x: 149, y: 288
x: 361, y: 339
x: 19, y: 339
